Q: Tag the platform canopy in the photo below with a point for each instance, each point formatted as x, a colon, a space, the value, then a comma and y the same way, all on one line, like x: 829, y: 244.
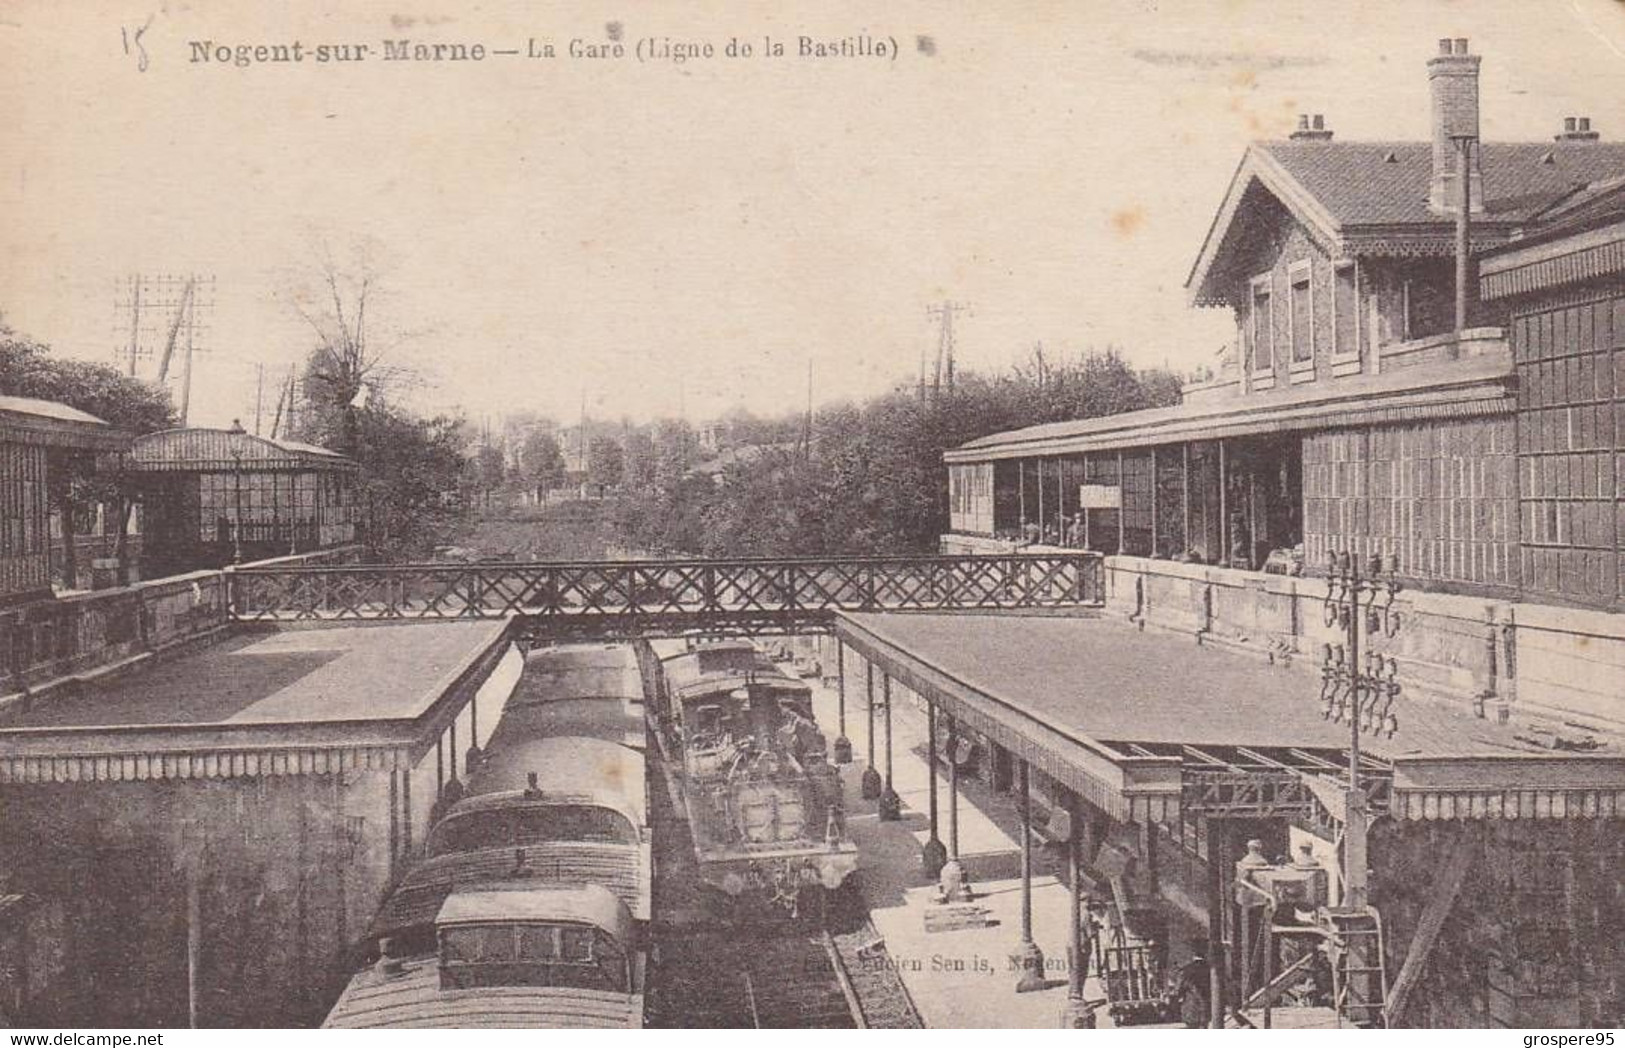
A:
x: 295, y: 702
x: 1150, y: 727
x: 1461, y: 389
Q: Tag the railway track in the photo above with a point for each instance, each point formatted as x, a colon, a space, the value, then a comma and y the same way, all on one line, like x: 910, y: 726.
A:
x: 829, y: 973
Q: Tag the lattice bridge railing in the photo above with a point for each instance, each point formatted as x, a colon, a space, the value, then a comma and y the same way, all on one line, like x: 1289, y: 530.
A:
x: 682, y: 594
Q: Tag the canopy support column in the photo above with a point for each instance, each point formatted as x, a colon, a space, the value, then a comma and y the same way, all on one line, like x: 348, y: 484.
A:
x: 933, y: 856
x: 891, y: 805
x: 1028, y: 957
x: 843, y: 744
x: 952, y: 882
x: 871, y: 775
x: 1078, y: 1013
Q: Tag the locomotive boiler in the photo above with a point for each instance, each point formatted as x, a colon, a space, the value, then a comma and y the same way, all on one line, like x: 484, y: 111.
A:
x: 763, y: 802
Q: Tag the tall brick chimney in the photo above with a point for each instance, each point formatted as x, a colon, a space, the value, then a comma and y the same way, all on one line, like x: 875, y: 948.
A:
x: 1453, y: 79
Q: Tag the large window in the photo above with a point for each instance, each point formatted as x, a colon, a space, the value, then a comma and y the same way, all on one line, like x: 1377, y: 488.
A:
x: 22, y: 500
x: 1345, y: 317
x: 1301, y: 290
x: 1261, y: 328
x: 268, y: 504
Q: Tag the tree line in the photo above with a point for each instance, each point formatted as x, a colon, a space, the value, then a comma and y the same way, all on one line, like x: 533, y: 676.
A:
x: 863, y: 478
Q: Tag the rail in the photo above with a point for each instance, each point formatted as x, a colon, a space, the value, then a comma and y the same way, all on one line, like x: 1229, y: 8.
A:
x: 602, y: 597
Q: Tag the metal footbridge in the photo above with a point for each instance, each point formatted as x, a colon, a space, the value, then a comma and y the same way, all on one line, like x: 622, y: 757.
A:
x: 626, y: 598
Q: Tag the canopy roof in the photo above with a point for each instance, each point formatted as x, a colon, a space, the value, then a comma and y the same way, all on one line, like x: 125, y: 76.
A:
x: 1134, y: 721
x: 26, y: 420
x: 197, y: 449
x: 1461, y: 388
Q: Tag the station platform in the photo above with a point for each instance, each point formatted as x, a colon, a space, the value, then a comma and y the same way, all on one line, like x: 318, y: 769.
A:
x: 262, y: 702
x: 960, y: 978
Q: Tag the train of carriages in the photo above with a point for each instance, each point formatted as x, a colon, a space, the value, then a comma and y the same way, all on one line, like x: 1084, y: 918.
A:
x: 530, y: 906
x: 736, y: 732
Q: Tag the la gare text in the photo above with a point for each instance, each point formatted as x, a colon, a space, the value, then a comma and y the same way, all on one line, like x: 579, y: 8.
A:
x: 675, y: 50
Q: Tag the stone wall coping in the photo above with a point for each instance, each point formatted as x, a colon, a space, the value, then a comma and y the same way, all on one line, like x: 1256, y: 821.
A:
x: 1609, y: 625
x: 1312, y: 587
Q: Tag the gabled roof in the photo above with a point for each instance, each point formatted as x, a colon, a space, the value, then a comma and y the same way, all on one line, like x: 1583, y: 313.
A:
x: 1359, y: 198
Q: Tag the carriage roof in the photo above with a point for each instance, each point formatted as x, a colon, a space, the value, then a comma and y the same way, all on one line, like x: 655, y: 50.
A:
x: 619, y: 868
x: 552, y: 674
x: 568, y: 770
x: 414, y: 1000
x: 581, y: 904
x: 611, y: 720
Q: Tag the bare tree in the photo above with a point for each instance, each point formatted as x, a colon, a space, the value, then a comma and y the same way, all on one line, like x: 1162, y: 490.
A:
x: 350, y: 365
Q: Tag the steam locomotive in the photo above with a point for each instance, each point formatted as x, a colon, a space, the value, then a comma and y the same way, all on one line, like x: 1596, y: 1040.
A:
x: 763, y: 802
x: 530, y: 907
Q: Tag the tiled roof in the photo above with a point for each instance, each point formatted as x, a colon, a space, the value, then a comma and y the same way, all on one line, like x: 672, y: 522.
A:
x: 1359, y: 185
x: 1581, y: 200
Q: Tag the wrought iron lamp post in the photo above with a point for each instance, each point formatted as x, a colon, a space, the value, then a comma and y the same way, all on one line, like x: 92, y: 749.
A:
x: 1359, y: 598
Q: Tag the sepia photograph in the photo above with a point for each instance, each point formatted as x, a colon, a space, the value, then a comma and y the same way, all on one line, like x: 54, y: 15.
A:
x: 1043, y: 514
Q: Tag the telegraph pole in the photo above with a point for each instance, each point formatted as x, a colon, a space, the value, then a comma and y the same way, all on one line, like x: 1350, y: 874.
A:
x: 943, y: 313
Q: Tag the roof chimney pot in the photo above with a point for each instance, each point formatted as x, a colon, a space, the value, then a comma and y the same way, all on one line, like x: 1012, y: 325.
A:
x: 1453, y: 82
x: 1312, y: 128
x: 1577, y: 129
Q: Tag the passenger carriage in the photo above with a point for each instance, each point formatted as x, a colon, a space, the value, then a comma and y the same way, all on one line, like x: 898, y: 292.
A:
x: 531, y: 904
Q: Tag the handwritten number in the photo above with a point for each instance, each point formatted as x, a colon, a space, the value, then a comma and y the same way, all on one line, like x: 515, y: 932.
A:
x: 133, y: 38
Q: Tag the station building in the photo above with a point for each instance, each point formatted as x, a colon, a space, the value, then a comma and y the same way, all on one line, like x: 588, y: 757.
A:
x: 33, y: 433
x: 1372, y: 403
x: 1355, y: 411
x: 213, y: 497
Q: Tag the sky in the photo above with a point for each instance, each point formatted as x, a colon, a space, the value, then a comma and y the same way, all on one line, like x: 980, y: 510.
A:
x: 653, y: 238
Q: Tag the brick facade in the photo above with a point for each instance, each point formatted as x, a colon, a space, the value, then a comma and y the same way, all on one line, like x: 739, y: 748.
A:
x: 1442, y: 496
x: 1571, y: 445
